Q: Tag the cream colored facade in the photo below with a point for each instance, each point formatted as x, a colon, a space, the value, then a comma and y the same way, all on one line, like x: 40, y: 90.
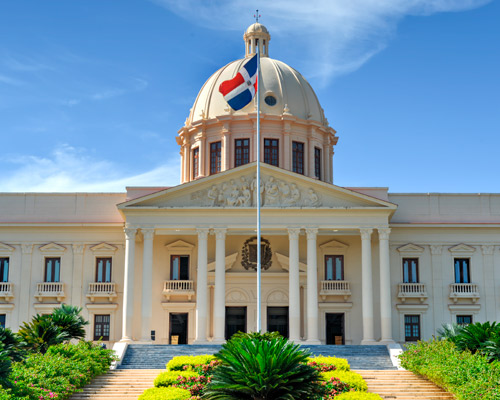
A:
x: 209, y: 220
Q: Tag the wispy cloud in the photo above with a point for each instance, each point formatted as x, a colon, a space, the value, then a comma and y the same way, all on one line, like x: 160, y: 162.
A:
x: 137, y: 85
x: 23, y: 64
x: 70, y: 169
x: 10, y: 81
x: 339, y: 35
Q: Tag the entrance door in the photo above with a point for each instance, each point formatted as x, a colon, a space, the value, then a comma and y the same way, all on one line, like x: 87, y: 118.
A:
x: 335, y: 329
x: 236, y: 320
x: 277, y: 320
x: 178, y: 328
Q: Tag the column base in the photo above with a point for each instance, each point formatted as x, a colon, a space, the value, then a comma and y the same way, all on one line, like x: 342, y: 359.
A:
x: 126, y: 340
x: 385, y: 342
x: 218, y: 341
x: 200, y: 341
x: 312, y: 341
x: 369, y: 342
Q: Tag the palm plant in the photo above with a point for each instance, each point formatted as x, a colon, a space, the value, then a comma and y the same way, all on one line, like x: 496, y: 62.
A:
x: 450, y: 332
x: 10, y: 344
x: 41, y: 333
x: 5, y: 366
x: 474, y: 336
x: 255, y: 369
x: 70, y: 320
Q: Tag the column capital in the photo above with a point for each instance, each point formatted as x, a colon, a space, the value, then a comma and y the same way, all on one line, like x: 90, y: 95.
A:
x: 487, y: 249
x: 202, y: 233
x: 78, y: 248
x: 130, y: 233
x: 148, y: 233
x: 436, y: 249
x: 383, y: 233
x: 366, y: 233
x: 311, y: 233
x: 220, y: 233
x: 293, y: 233
x: 27, y: 248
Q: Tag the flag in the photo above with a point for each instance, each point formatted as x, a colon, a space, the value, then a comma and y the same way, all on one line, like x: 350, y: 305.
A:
x: 240, y: 90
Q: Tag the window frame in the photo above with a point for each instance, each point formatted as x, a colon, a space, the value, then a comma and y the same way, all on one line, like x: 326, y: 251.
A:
x: 272, y: 151
x: 409, y: 275
x: 196, y: 162
x: 215, y: 157
x: 317, y: 162
x: 412, y: 324
x: 461, y: 278
x: 334, y: 257
x: 470, y: 316
x: 4, y: 265
x: 244, y: 152
x: 102, y: 325
x: 179, y: 273
x: 298, y: 157
x: 97, y: 259
x: 46, y: 265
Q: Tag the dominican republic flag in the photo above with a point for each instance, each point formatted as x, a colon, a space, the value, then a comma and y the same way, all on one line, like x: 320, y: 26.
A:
x: 240, y: 90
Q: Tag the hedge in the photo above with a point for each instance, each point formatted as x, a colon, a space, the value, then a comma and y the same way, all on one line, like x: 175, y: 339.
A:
x: 339, y: 363
x: 353, y: 379
x: 170, y: 377
x: 182, y: 363
x: 358, y: 396
x: 165, y: 393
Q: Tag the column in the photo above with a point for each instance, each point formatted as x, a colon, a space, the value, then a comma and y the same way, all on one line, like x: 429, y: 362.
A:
x: 220, y: 285
x: 77, y: 280
x: 294, y: 285
x: 439, y: 293
x: 25, y: 297
x: 226, y: 143
x: 147, y: 283
x: 312, y: 287
x: 366, y: 286
x: 385, y: 286
x: 311, y: 149
x: 128, y: 284
x: 203, y: 155
x: 327, y: 162
x: 287, y: 149
x: 489, y: 282
x: 201, y: 287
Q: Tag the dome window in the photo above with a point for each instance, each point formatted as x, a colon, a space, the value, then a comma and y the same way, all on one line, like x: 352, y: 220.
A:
x: 270, y: 100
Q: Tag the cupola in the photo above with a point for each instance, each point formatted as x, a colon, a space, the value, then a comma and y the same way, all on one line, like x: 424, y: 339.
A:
x: 257, y: 35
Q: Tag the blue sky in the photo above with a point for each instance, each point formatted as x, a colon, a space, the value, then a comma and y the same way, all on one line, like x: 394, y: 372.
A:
x: 93, y: 92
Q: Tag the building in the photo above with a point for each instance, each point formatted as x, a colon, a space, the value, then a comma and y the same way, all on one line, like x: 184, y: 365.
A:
x: 340, y: 265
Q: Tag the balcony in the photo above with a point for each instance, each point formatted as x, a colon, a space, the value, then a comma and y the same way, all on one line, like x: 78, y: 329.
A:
x: 335, y: 288
x: 176, y: 287
x: 50, y: 289
x: 101, y: 289
x: 412, y: 291
x: 6, y: 290
x: 464, y: 291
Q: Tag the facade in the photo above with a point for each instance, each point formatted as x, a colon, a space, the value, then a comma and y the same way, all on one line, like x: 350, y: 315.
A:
x: 177, y: 265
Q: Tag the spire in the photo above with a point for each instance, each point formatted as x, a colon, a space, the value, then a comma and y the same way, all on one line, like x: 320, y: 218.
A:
x: 257, y: 35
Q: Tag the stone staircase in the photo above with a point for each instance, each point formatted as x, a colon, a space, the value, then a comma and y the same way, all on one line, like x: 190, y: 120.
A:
x: 402, y: 385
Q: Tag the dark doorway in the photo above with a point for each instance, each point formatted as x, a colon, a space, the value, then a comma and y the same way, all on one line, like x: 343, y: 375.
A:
x: 335, y: 329
x: 178, y: 328
x: 236, y: 320
x: 277, y: 320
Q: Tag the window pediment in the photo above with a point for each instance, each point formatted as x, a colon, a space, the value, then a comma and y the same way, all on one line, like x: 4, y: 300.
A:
x: 52, y: 249
x: 410, y: 248
x: 462, y: 250
x: 104, y: 249
x: 334, y: 246
x: 6, y: 249
x: 180, y: 247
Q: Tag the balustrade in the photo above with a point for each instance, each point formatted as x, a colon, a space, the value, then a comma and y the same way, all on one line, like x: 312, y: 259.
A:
x: 50, y: 289
x: 464, y: 291
x: 6, y: 290
x: 101, y: 289
x: 335, y: 288
x: 412, y: 290
x: 178, y: 287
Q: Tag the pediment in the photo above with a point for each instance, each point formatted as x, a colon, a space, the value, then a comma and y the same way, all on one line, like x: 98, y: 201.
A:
x: 462, y: 249
x: 52, y: 248
x: 103, y: 248
x: 237, y: 188
x: 334, y: 245
x: 179, y: 246
x: 230, y: 260
x: 5, y: 248
x: 284, y: 262
x: 410, y: 248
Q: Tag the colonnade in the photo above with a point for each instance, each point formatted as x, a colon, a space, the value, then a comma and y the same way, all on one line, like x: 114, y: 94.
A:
x: 219, y: 306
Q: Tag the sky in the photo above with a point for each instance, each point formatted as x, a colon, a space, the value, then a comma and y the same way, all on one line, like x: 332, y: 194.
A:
x: 93, y: 92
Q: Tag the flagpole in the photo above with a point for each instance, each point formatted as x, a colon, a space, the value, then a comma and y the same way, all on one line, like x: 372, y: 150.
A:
x: 257, y: 188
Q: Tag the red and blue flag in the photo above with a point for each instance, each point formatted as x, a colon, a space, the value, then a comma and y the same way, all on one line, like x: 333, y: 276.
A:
x: 240, y: 90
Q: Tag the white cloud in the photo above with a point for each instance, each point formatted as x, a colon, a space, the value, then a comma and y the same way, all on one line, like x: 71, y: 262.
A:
x: 10, y: 81
x: 69, y: 169
x: 337, y: 35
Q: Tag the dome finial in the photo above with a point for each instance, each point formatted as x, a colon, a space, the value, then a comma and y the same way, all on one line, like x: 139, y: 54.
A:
x: 256, y: 16
x: 257, y: 35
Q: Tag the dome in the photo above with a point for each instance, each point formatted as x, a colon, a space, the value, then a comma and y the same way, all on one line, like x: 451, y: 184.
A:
x: 282, y: 90
x: 257, y: 28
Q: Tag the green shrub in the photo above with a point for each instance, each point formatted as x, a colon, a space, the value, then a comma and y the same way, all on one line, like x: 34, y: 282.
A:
x: 338, y: 363
x: 468, y: 376
x: 69, y: 319
x: 169, y: 377
x: 182, y: 363
x: 256, y: 335
x: 9, y: 343
x: 260, y: 369
x: 353, y: 379
x: 358, y: 396
x: 40, y: 333
x: 5, y: 368
x: 165, y: 393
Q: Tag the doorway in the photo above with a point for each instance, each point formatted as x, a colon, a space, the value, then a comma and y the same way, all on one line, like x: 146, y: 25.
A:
x: 335, y: 333
x: 178, y: 328
x: 236, y: 320
x: 277, y: 320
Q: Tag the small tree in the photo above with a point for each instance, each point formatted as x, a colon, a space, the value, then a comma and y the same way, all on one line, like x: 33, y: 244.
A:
x: 40, y: 333
x: 70, y: 320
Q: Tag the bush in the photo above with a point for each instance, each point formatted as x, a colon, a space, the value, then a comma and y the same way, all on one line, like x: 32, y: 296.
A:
x: 69, y: 319
x: 40, y: 333
x: 358, y: 396
x: 326, y: 363
x: 182, y: 363
x: 256, y: 335
x: 353, y: 379
x: 169, y: 377
x: 468, y: 376
x: 333, y: 387
x: 165, y: 393
x: 9, y: 343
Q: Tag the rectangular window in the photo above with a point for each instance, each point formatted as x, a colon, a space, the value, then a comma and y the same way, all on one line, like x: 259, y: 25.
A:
x: 462, y: 270
x: 179, y: 268
x: 2, y: 320
x: 464, y: 319
x: 4, y: 269
x: 241, y: 152
x: 317, y: 162
x: 410, y: 270
x: 412, y: 328
x: 196, y: 162
x: 103, y: 270
x: 334, y: 268
x: 298, y: 157
x: 215, y: 157
x: 101, y: 327
x: 52, y: 269
x: 272, y: 152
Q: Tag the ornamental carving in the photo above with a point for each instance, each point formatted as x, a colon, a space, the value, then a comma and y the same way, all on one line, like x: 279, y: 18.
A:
x: 249, y: 254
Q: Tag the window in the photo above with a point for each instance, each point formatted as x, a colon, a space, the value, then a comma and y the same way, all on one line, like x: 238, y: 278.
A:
x: 196, y: 162
x: 464, y: 319
x: 270, y: 100
x: 410, y: 270
x: 101, y: 327
x: 179, y: 268
x: 4, y: 269
x: 298, y: 157
x: 215, y: 158
x: 317, y: 162
x: 412, y: 328
x: 241, y: 152
x: 103, y: 270
x: 334, y: 268
x: 52, y: 269
x: 2, y: 320
x: 462, y: 270
x: 271, y: 152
